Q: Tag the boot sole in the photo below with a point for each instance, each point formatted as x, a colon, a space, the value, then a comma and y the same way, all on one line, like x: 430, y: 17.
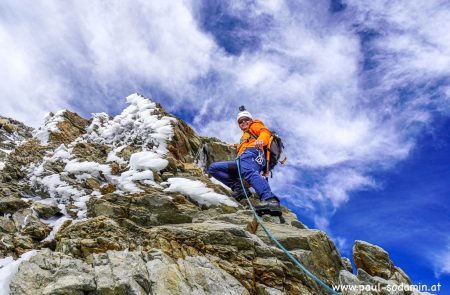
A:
x: 265, y: 211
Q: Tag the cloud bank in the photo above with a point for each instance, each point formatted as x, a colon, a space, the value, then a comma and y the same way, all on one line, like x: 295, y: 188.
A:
x: 349, y: 89
x: 90, y: 55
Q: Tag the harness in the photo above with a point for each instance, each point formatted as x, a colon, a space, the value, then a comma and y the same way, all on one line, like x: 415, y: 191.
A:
x: 264, y: 150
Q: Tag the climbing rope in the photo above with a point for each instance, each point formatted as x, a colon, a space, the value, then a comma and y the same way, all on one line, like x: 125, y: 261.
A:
x: 289, y: 255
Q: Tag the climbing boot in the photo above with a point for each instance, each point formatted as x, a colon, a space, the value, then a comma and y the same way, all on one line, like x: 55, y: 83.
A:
x: 239, y: 195
x: 270, y: 206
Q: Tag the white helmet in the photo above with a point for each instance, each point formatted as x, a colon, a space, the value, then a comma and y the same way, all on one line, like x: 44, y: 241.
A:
x: 244, y: 114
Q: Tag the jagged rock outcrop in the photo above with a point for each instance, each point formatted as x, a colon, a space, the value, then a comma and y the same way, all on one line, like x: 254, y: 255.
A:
x: 375, y: 268
x: 122, y: 205
x: 12, y: 133
x: 375, y: 261
x: 70, y: 126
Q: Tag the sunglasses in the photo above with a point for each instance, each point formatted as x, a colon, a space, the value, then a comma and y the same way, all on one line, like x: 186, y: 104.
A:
x: 244, y: 120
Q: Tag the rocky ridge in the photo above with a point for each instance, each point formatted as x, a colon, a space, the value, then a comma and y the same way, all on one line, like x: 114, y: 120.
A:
x: 121, y: 205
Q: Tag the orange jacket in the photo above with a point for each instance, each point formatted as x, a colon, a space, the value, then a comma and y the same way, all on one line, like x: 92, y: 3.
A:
x: 258, y: 129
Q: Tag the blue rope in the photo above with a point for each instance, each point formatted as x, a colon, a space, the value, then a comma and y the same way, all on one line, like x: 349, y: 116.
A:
x: 292, y: 258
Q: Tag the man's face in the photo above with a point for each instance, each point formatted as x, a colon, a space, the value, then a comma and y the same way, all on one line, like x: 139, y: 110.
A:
x: 244, y: 123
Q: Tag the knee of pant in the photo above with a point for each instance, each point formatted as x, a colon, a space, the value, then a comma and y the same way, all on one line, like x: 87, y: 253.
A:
x: 212, y: 168
x: 215, y: 168
x: 248, y: 173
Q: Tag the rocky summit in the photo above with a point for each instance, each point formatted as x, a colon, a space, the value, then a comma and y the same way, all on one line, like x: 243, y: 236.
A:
x: 122, y: 205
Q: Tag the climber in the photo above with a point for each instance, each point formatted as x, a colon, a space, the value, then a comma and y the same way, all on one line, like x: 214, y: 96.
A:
x: 252, y: 162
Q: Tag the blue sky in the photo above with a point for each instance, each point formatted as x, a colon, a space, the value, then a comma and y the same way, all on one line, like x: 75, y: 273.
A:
x: 360, y: 91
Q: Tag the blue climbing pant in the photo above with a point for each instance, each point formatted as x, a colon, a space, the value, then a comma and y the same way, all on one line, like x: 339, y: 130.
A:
x: 227, y: 173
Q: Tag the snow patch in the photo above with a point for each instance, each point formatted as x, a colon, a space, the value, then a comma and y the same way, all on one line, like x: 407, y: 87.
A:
x: 9, y: 268
x: 147, y: 160
x: 62, y: 153
x: 126, y: 180
x: 12, y: 138
x: 60, y: 191
x: 2, y: 165
x: 56, y: 225
x: 215, y: 181
x: 50, y: 125
x: 113, y: 157
x: 6, y: 151
x: 198, y: 191
x: 58, y: 188
x: 88, y: 169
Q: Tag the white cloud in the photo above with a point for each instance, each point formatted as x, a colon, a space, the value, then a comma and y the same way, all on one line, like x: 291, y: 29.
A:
x: 53, y: 51
x: 343, y: 245
x: 409, y: 47
x: 445, y: 264
x: 339, y: 182
x: 27, y: 90
x: 442, y: 262
x: 305, y: 76
x: 321, y: 222
x: 259, y: 72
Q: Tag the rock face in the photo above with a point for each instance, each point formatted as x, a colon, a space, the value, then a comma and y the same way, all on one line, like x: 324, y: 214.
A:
x: 375, y: 267
x: 372, y: 259
x: 121, y: 272
x: 12, y: 133
x: 123, y: 206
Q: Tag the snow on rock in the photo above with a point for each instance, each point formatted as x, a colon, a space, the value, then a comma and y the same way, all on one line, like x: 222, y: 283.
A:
x: 11, y: 140
x: 56, y: 225
x: 62, y: 153
x: 147, y: 160
x: 2, y: 165
x: 6, y: 151
x: 50, y: 125
x: 138, y: 124
x: 59, y: 190
x: 113, y: 157
x: 198, y: 191
x: 215, y: 181
x: 142, y: 165
x: 9, y: 268
x: 125, y: 181
x: 141, y: 126
x: 87, y: 169
x: 52, y: 183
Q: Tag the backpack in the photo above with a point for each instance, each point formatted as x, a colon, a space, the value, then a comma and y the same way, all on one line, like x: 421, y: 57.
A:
x: 273, y: 152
